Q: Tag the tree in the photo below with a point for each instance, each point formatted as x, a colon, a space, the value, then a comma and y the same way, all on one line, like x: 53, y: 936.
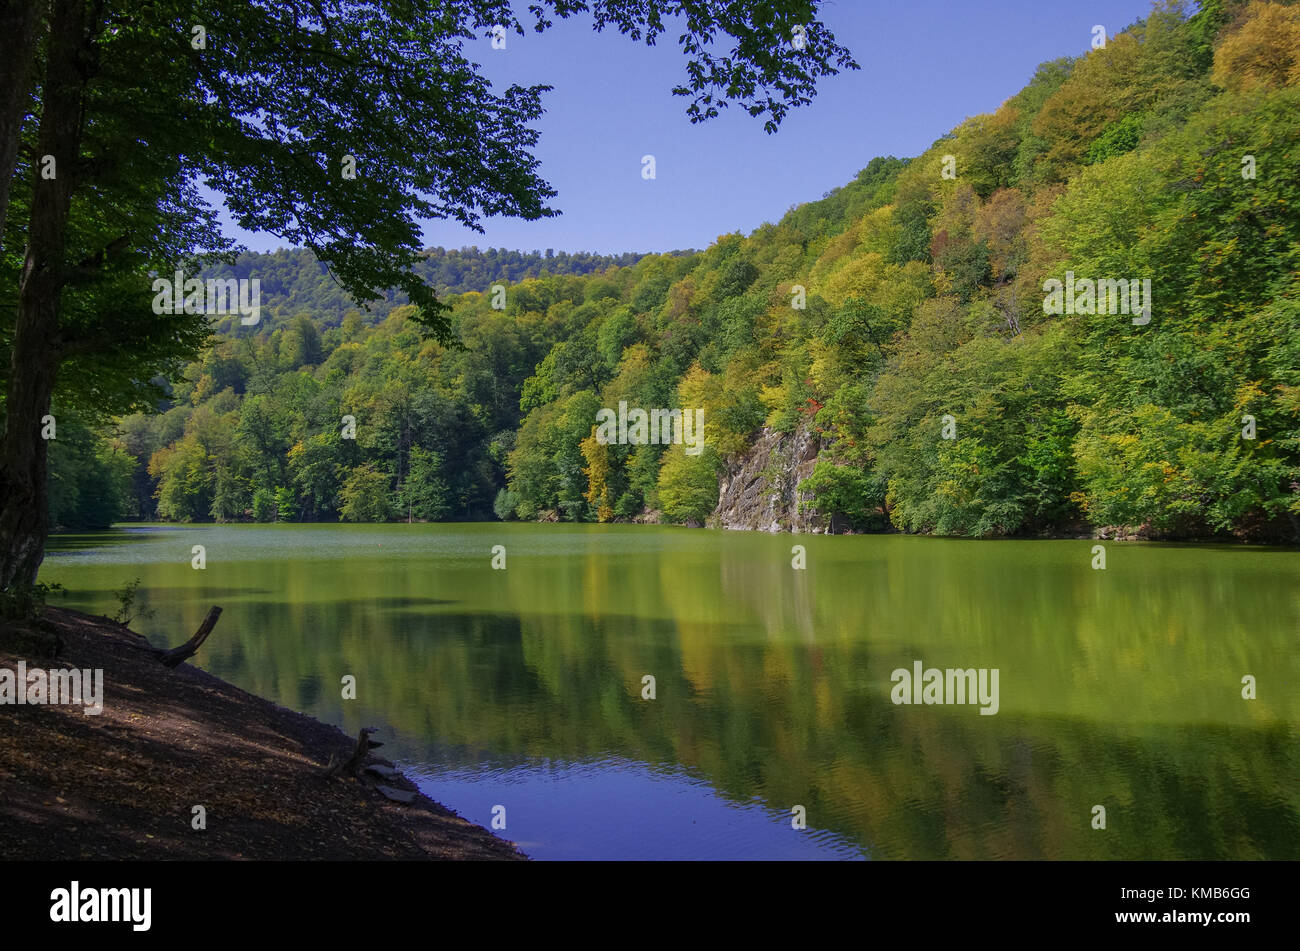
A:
x: 314, y: 465
x: 229, y: 495
x: 300, y: 345
x: 286, y: 505
x: 133, y: 105
x: 263, y: 505
x: 366, y: 496
x: 1263, y: 52
x: 505, y: 504
x: 846, y: 492
x: 262, y: 431
x: 424, y: 491
x: 688, y: 485
x: 88, y: 480
x: 597, y: 473
x: 186, y: 484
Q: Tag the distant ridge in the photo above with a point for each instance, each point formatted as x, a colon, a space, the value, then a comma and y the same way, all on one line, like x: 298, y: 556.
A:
x: 293, y: 281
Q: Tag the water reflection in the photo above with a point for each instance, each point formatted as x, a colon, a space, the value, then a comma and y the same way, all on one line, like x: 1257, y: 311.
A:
x: 523, y: 687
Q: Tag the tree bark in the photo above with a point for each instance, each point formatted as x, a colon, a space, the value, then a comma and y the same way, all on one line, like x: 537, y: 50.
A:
x: 24, y: 501
x: 19, y: 26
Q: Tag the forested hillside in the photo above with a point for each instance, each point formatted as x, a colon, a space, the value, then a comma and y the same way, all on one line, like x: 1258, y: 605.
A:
x: 901, y: 320
x: 293, y: 282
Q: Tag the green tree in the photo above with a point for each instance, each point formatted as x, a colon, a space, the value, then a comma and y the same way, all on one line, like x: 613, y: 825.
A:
x: 314, y: 465
x: 844, y: 493
x: 506, y: 504
x: 186, y: 483
x: 688, y: 485
x: 286, y: 504
x: 89, y: 479
x: 134, y: 112
x: 366, y: 496
x: 425, y: 494
x: 229, y: 495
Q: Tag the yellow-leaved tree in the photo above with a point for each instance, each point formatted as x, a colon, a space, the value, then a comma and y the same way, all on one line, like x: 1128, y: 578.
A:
x: 1264, y: 51
x: 597, y: 472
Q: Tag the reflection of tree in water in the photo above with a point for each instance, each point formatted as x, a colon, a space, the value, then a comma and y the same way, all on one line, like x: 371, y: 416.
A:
x: 773, y: 683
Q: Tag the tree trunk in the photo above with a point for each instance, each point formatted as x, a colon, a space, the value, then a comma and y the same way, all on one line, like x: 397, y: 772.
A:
x: 19, y: 20
x: 24, y: 500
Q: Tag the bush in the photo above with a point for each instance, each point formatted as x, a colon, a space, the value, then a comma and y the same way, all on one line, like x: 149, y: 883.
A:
x: 126, y: 598
x: 24, y: 601
x: 506, y: 504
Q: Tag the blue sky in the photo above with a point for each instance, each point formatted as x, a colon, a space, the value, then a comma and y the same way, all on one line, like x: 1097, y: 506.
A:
x: 926, y: 66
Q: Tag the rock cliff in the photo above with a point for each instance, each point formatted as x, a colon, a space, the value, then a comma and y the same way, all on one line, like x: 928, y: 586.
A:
x: 759, y: 489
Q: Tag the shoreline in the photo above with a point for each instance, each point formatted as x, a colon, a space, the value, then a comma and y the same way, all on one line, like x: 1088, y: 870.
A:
x: 1103, y: 534
x: 124, y: 784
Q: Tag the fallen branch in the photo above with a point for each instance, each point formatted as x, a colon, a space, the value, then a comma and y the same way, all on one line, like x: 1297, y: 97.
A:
x: 176, y: 655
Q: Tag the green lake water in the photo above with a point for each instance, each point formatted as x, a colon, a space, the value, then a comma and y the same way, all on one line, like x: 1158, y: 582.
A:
x: 522, y: 687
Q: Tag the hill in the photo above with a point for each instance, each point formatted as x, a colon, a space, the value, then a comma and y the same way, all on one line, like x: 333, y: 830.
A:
x: 1080, y: 311
x: 294, y: 282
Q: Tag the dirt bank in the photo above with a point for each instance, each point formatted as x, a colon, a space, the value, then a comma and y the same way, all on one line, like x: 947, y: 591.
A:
x: 123, y: 784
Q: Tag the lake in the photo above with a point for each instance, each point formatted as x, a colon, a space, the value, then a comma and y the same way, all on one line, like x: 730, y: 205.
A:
x: 523, y: 687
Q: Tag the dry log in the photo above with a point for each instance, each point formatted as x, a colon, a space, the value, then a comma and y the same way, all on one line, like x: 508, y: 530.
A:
x: 187, y: 650
x: 352, y: 765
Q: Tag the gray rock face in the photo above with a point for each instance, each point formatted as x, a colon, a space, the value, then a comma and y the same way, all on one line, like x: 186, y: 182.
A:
x: 759, y: 491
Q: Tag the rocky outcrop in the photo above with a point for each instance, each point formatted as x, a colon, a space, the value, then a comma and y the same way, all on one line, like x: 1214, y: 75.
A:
x: 759, y: 490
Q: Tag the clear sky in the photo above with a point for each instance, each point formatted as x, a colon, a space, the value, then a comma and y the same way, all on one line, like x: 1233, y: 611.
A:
x: 926, y: 66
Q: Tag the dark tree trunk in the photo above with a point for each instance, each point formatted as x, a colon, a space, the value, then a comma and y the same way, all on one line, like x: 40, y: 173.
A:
x: 19, y: 21
x: 24, y: 501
